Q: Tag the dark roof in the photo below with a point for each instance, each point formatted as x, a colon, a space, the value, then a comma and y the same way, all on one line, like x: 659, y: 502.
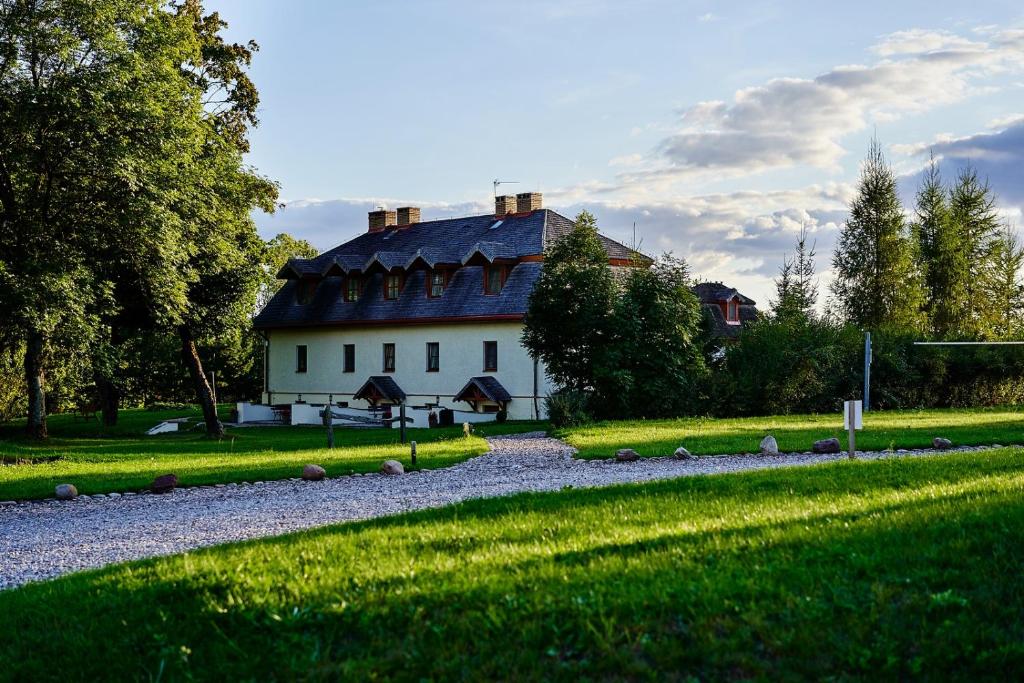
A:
x: 488, y: 386
x: 711, y: 292
x: 381, y: 385
x: 461, y: 243
x: 721, y: 328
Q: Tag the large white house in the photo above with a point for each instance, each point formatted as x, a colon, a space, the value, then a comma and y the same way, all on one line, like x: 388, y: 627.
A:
x: 425, y: 313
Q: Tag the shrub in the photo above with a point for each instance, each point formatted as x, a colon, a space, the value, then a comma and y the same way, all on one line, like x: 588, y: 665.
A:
x: 568, y: 408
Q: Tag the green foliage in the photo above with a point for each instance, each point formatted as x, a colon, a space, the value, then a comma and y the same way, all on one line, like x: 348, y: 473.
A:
x: 1006, y: 291
x: 796, y: 289
x: 756, y: 576
x: 566, y: 324
x: 568, y: 408
x: 973, y: 213
x: 652, y: 366
x: 944, y: 262
x: 877, y: 282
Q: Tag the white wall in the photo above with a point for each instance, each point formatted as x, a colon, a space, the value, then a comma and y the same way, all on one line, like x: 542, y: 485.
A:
x: 461, y: 357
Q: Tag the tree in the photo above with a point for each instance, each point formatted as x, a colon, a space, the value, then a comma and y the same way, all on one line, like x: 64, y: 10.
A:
x: 566, y: 323
x: 1006, y: 292
x: 277, y: 252
x: 796, y: 289
x: 653, y: 365
x: 974, y: 217
x: 877, y: 282
x: 945, y: 269
x: 90, y: 92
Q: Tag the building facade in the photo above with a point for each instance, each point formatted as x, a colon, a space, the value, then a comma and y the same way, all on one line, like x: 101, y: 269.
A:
x: 428, y: 314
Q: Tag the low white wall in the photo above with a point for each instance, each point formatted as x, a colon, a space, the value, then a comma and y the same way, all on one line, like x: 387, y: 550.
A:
x: 254, y: 412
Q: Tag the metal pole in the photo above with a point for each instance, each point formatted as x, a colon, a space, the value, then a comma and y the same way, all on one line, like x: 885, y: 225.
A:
x: 413, y: 445
x: 851, y: 414
x: 401, y: 418
x: 329, y: 418
x: 867, y: 370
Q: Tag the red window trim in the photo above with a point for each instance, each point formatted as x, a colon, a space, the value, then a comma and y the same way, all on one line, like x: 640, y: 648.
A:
x: 359, y: 288
x: 487, y: 278
x: 387, y: 276
x: 430, y: 283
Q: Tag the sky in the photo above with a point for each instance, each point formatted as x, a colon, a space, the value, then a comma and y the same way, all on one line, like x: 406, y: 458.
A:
x: 717, y: 129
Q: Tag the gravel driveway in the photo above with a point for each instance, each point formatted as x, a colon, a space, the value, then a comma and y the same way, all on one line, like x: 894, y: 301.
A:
x: 42, y: 539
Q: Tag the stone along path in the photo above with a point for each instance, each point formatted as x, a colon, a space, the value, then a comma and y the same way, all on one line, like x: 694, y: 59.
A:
x: 43, y: 539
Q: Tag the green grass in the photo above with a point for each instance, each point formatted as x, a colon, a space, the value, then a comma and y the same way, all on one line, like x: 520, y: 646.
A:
x: 882, y: 430
x: 101, y: 460
x: 896, y: 569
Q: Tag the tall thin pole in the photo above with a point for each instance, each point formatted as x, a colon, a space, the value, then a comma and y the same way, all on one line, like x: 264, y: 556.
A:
x: 401, y: 417
x: 867, y: 370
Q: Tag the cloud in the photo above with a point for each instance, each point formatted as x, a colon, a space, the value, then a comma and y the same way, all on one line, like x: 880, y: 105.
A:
x: 796, y: 121
x: 997, y: 155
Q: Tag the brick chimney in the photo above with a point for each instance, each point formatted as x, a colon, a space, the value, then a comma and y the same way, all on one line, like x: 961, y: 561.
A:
x: 528, y: 201
x: 407, y: 215
x: 504, y: 204
x: 381, y: 219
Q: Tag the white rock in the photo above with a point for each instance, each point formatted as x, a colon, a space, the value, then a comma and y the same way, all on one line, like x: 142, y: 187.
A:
x: 769, y: 446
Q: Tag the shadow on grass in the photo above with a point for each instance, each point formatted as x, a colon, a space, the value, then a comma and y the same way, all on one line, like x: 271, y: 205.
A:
x: 886, y: 573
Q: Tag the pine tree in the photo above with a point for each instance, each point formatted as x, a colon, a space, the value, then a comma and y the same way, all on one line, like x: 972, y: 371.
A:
x: 943, y: 263
x: 796, y: 290
x: 1006, y: 292
x: 973, y: 214
x: 877, y: 282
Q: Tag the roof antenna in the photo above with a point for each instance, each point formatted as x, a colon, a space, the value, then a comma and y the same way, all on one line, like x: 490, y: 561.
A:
x: 502, y: 182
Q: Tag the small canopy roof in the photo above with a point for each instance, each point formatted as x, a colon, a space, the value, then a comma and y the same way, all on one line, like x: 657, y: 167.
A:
x: 489, y: 251
x: 380, y: 388
x: 483, y: 389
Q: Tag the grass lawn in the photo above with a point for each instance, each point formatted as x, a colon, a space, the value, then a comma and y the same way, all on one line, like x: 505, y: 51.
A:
x: 894, y: 569
x: 100, y: 460
x: 882, y: 430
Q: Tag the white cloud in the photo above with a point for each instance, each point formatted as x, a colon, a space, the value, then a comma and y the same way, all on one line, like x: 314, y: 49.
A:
x: 790, y: 122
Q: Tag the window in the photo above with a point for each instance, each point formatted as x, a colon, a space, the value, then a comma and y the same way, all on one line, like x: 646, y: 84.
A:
x: 494, y: 278
x: 392, y: 285
x: 306, y: 290
x: 300, y: 358
x: 733, y: 312
x: 352, y: 289
x: 490, y: 356
x: 350, y: 358
x: 433, y: 356
x: 389, y: 358
x: 436, y: 284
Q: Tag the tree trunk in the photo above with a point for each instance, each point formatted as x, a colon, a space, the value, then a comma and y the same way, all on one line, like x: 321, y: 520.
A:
x: 35, y: 382
x: 204, y: 393
x: 110, y: 399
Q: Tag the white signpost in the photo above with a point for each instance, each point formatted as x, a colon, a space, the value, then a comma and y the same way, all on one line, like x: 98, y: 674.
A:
x: 853, y: 419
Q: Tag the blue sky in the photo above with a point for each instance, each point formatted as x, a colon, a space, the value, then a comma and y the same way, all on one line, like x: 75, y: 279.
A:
x: 719, y: 128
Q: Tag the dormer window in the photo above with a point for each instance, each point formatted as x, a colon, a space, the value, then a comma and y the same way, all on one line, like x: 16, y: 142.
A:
x: 392, y: 285
x: 732, y: 311
x: 352, y: 289
x: 494, y: 279
x: 305, y: 292
x: 435, y: 284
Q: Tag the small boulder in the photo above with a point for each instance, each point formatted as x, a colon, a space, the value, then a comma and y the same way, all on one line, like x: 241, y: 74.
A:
x: 66, y: 492
x: 769, y: 446
x: 626, y: 455
x: 682, y: 454
x: 164, y: 484
x: 826, y: 446
x: 391, y: 467
x: 941, y: 444
x: 313, y: 472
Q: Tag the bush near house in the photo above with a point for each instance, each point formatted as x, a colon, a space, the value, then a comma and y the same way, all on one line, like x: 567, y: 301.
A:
x: 768, y: 575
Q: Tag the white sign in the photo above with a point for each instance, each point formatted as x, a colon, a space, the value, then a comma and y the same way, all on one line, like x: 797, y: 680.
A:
x: 854, y: 409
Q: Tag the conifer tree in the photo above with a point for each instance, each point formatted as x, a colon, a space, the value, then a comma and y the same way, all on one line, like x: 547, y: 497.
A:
x: 973, y: 214
x: 1006, y: 292
x: 877, y: 282
x: 943, y: 262
x: 796, y: 290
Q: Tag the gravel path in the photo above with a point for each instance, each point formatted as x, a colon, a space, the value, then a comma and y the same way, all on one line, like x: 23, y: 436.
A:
x: 42, y: 539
